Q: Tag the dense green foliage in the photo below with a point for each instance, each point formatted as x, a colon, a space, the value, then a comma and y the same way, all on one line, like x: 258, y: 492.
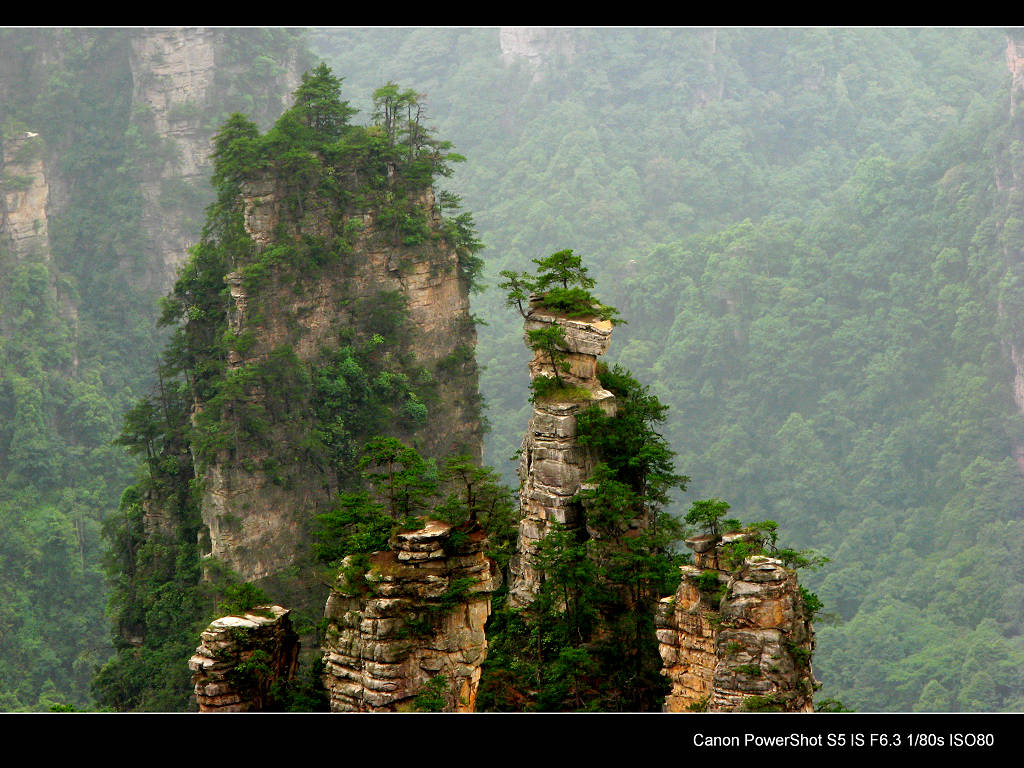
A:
x: 812, y: 230
x: 400, y: 489
x: 76, y: 338
x: 813, y: 233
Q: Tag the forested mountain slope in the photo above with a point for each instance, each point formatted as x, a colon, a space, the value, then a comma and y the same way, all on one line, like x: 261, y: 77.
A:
x: 326, y: 303
x: 811, y: 232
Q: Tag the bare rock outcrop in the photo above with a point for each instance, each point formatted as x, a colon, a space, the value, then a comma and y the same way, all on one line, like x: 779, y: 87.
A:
x: 735, y: 641
x: 23, y: 207
x: 687, y: 625
x: 552, y: 466
x: 1015, y: 63
x: 409, y: 632
x: 536, y: 46
x: 240, y: 659
x: 178, y: 76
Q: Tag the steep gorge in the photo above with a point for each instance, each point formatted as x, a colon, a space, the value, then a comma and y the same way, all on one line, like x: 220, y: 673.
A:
x: 236, y: 520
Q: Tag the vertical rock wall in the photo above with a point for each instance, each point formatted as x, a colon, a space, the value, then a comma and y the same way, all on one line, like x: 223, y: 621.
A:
x: 177, y: 84
x: 739, y: 640
x: 413, y: 627
x: 687, y: 625
x: 240, y: 659
x: 26, y: 194
x: 1011, y: 189
x: 258, y: 525
x: 26, y: 205
x: 1015, y: 63
x: 764, y: 642
x: 552, y: 467
x: 536, y: 46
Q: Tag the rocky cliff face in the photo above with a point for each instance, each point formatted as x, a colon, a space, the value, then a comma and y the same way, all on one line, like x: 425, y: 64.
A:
x: 26, y: 205
x: 536, y: 46
x: 736, y: 640
x: 552, y: 467
x: 257, y: 522
x: 179, y: 78
x: 26, y: 195
x: 409, y: 632
x: 241, y: 658
x: 1011, y: 188
x: 1015, y: 63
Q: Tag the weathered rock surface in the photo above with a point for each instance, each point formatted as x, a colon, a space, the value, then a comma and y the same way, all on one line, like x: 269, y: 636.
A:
x: 1009, y: 180
x: 687, y: 625
x: 536, y: 46
x: 414, y: 624
x: 23, y: 208
x: 1015, y: 63
x: 552, y: 466
x: 26, y: 208
x: 746, y: 645
x: 178, y: 75
x: 257, y: 524
x: 240, y: 658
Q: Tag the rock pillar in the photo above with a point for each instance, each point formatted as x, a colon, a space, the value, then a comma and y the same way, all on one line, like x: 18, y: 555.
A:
x: 552, y: 466
x: 408, y: 632
x: 240, y: 659
x: 736, y: 640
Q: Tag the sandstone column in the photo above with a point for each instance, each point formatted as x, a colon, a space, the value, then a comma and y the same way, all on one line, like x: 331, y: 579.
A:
x: 736, y: 640
x: 552, y: 467
x: 412, y: 626
x: 240, y: 658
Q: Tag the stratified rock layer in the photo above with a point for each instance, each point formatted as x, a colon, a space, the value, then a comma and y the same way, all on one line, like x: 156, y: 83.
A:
x: 413, y: 626
x: 687, y: 625
x: 240, y: 658
x: 765, y: 642
x: 743, y: 645
x: 552, y: 466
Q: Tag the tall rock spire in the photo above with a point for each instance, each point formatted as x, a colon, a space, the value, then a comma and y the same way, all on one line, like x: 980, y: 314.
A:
x: 736, y: 636
x: 552, y: 466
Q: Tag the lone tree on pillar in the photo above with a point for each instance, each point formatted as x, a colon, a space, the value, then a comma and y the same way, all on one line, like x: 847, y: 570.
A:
x: 561, y: 285
x: 550, y: 342
x: 562, y: 267
x: 596, y: 549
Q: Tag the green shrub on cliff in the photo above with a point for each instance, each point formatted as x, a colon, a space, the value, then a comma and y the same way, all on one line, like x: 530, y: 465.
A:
x: 561, y: 285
